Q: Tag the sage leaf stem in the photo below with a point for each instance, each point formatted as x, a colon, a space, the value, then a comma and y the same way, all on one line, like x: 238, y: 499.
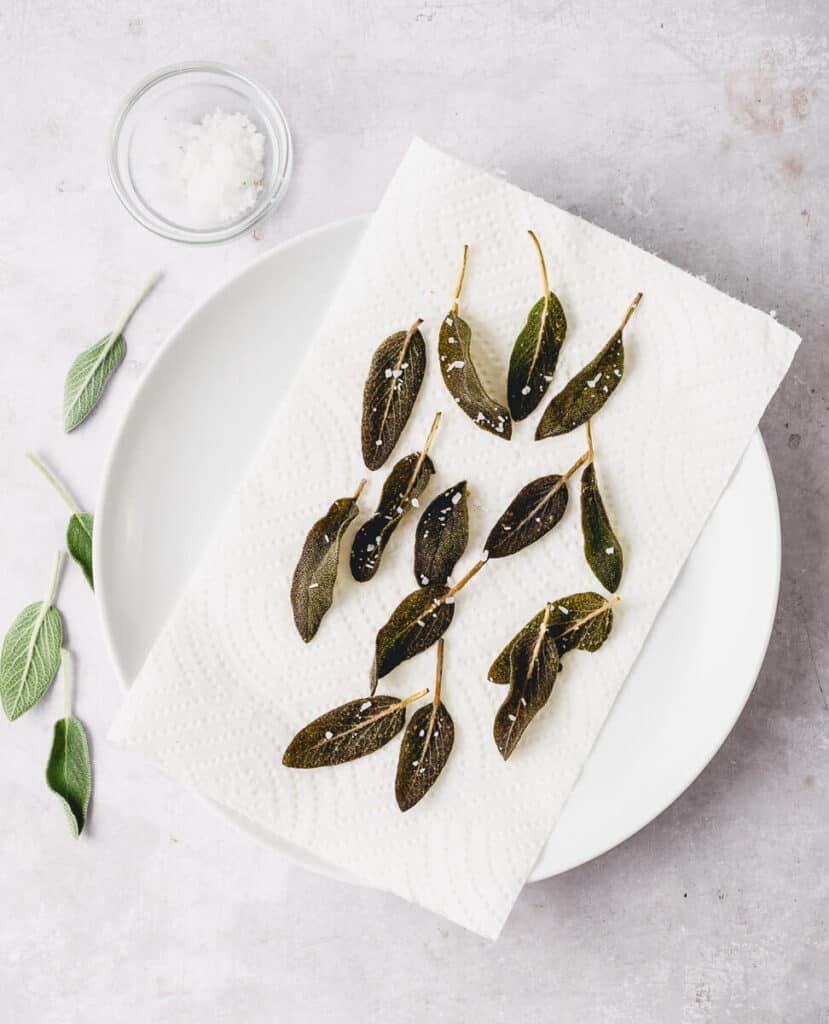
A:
x: 80, y: 527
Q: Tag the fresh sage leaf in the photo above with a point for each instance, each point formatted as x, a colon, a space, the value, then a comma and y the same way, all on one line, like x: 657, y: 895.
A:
x: 531, y: 514
x: 79, y: 530
x: 459, y: 372
x: 90, y: 372
x: 425, y: 747
x: 404, y: 485
x: 536, y: 349
x: 601, y: 545
x: 533, y: 671
x: 30, y: 656
x: 312, y: 589
x: 584, y: 395
x: 69, y: 769
x: 350, y: 731
x: 442, y: 535
x: 580, y: 621
x: 393, y: 382
x: 416, y: 623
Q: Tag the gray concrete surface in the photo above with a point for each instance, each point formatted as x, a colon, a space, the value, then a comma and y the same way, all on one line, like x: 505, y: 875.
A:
x: 698, y: 130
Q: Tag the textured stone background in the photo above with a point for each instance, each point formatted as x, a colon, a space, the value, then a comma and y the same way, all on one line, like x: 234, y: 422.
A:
x: 700, y: 131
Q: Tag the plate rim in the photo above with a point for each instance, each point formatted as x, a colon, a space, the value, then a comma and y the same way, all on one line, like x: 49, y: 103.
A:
x: 104, y: 498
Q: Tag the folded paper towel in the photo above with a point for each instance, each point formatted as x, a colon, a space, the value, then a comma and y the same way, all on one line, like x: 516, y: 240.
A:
x: 229, y: 681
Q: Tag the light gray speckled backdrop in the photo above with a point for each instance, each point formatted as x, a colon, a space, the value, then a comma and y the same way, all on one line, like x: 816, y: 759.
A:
x: 700, y: 131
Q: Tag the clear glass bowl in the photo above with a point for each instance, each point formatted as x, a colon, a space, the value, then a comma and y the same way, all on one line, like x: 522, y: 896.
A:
x: 183, y: 94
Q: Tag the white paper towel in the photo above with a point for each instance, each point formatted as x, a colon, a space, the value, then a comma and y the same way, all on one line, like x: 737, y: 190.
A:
x: 229, y: 682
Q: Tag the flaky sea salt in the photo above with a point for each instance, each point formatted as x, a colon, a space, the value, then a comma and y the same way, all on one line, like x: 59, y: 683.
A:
x: 219, y: 167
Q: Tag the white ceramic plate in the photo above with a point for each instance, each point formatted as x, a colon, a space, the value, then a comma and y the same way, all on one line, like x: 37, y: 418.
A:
x: 176, y: 459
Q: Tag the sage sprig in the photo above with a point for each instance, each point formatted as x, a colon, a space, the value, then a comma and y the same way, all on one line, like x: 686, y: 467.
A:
x: 90, y: 372
x: 584, y: 395
x: 442, y: 535
x: 30, y: 657
x: 601, y: 545
x: 459, y: 372
x: 536, y: 349
x: 580, y: 621
x: 425, y: 747
x: 392, y: 385
x: 79, y: 529
x: 312, y: 588
x: 347, y: 732
x: 404, y: 485
x: 69, y: 769
x: 534, y: 663
x: 532, y: 513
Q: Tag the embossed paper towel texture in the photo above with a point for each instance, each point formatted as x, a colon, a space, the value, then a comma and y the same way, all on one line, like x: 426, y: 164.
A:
x: 229, y: 681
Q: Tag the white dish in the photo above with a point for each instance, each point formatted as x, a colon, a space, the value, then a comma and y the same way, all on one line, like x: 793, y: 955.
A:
x: 196, y: 418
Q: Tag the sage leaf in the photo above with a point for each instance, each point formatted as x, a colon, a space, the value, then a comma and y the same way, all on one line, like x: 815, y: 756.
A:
x: 583, y: 396
x: 425, y: 747
x: 533, y: 671
x: 459, y: 372
x: 531, y: 514
x: 416, y: 623
x: 90, y: 372
x: 69, y: 769
x: 441, y: 536
x: 79, y: 530
x: 404, y: 485
x: 312, y: 588
x: 30, y: 656
x: 580, y: 621
x: 601, y: 545
x: 350, y: 731
x: 393, y: 382
x: 536, y: 349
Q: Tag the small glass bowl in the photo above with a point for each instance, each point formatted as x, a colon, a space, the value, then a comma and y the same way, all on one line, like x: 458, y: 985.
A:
x: 183, y: 94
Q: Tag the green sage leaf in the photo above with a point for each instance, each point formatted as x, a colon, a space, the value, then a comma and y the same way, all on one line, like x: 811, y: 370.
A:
x: 90, y: 372
x: 601, y: 545
x: 534, y: 666
x: 404, y: 485
x: 31, y: 653
x: 347, y: 732
x: 584, y: 395
x: 442, y: 535
x: 79, y: 543
x: 582, y: 621
x: 416, y: 623
x: 461, y: 376
x: 536, y: 349
x: 312, y: 588
x: 392, y: 385
x: 69, y: 771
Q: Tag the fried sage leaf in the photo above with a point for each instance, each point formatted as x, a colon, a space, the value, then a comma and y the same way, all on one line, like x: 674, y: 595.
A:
x: 601, y: 545
x: 459, y: 373
x: 531, y: 514
x: 533, y: 671
x: 69, y: 769
x: 394, y: 379
x: 416, y: 623
x: 583, y: 396
x: 406, y: 482
x: 580, y: 621
x: 425, y: 747
x: 536, y: 349
x: 31, y: 653
x: 350, y: 731
x: 442, y: 535
x: 312, y: 589
x: 90, y: 372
